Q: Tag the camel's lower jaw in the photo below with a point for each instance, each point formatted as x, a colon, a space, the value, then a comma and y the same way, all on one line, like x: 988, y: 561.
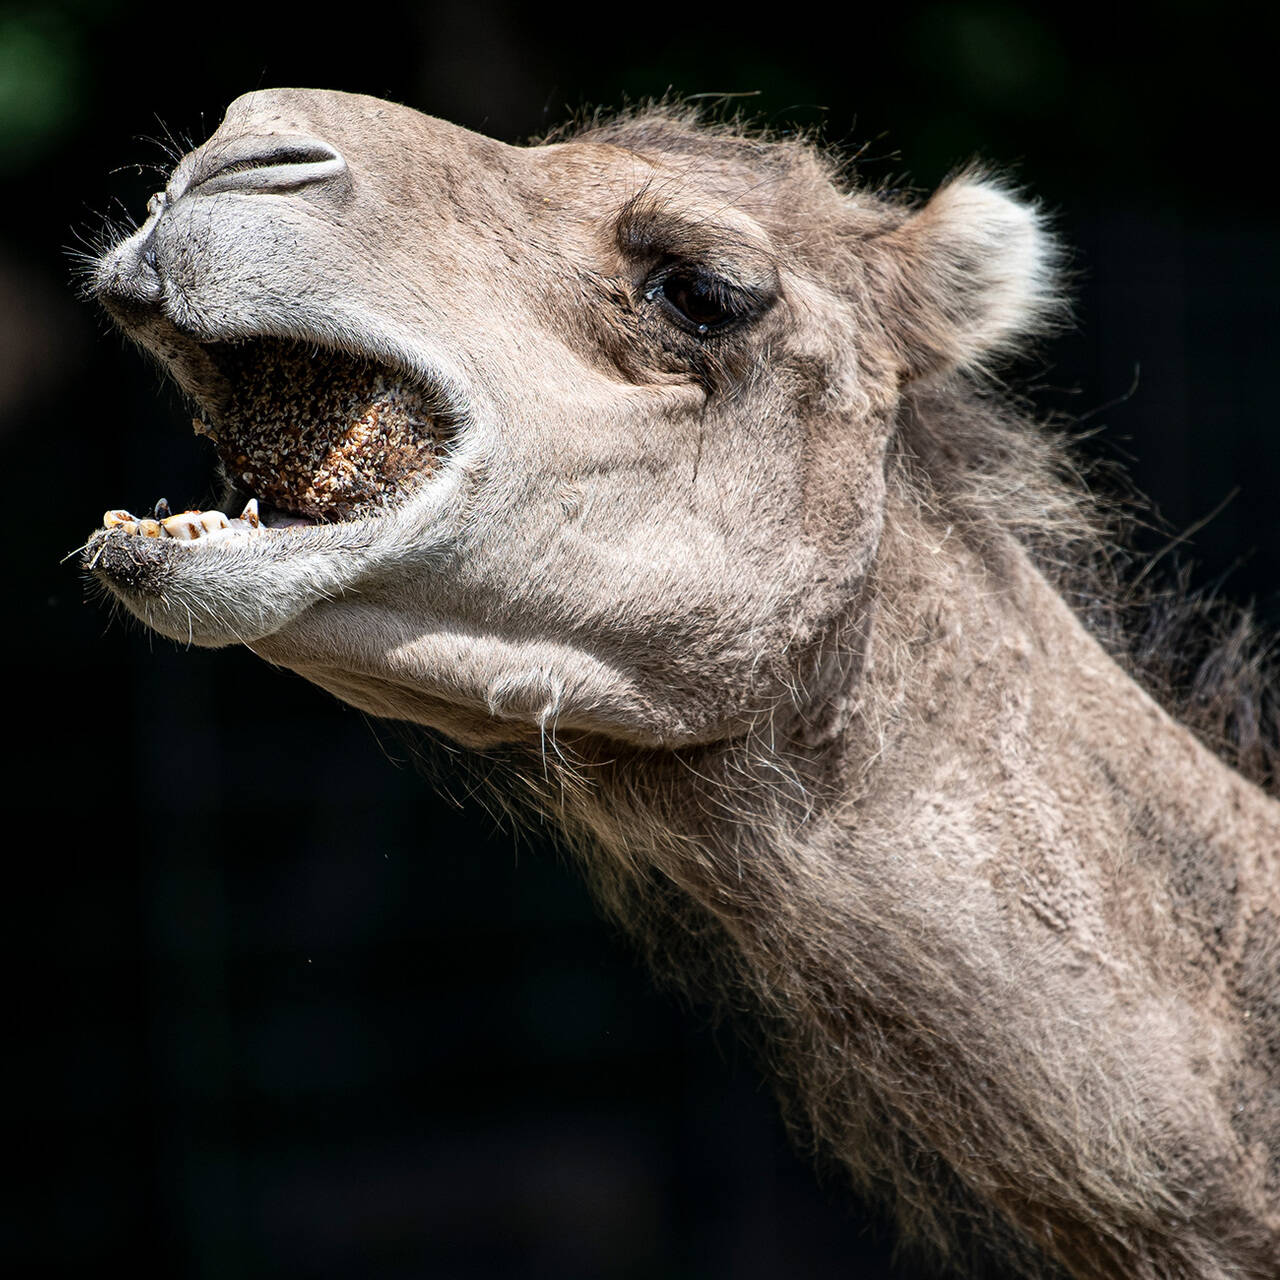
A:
x: 201, y: 577
x: 231, y: 582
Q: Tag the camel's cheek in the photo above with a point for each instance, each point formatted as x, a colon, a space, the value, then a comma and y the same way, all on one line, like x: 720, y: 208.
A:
x: 639, y: 580
x: 657, y: 630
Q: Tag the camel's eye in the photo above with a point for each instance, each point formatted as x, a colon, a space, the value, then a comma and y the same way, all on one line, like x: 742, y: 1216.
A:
x: 700, y: 300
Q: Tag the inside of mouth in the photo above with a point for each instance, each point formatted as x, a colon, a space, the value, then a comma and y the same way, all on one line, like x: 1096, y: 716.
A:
x: 318, y: 435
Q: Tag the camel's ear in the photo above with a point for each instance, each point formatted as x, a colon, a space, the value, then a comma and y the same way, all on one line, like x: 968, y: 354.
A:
x: 966, y: 278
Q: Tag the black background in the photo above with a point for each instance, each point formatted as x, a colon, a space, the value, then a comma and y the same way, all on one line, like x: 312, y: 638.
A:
x: 275, y: 1007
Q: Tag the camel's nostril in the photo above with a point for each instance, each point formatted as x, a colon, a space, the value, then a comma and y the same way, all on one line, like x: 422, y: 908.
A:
x: 269, y: 164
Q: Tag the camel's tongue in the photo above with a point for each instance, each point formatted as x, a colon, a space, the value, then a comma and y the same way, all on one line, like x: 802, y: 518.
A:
x: 324, y: 436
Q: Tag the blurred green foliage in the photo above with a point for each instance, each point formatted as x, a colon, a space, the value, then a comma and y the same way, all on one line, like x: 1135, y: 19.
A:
x: 41, y: 74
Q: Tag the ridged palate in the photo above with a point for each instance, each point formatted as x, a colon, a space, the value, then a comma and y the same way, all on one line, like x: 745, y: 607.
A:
x: 319, y: 434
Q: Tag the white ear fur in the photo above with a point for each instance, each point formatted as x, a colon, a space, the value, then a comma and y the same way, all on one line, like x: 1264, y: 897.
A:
x: 968, y: 277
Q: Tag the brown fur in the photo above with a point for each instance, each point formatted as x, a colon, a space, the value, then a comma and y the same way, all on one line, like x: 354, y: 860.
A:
x: 803, y: 634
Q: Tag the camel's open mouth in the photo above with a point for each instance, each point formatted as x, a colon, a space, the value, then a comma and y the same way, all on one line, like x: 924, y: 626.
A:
x: 306, y: 436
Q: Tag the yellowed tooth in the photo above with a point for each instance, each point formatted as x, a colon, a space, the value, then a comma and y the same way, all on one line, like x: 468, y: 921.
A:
x: 250, y: 513
x: 149, y: 528
x: 184, y: 526
x: 213, y: 520
x: 113, y: 519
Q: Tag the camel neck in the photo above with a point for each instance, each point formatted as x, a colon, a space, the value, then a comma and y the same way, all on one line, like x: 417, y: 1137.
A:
x: 1010, y: 913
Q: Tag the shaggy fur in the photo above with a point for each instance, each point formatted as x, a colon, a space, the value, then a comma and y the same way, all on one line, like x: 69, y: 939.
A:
x: 800, y: 631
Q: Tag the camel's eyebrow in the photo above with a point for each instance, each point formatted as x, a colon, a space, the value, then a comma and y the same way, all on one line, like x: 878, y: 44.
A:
x: 651, y: 223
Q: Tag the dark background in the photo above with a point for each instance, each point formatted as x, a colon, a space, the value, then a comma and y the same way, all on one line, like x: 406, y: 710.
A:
x: 277, y: 1009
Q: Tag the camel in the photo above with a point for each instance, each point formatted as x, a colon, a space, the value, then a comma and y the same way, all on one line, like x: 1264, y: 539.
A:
x: 667, y: 469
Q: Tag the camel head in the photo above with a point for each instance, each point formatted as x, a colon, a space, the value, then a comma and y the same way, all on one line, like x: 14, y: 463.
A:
x: 587, y: 435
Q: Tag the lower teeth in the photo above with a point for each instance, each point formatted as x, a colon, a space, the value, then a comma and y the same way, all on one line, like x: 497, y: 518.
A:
x: 186, y: 526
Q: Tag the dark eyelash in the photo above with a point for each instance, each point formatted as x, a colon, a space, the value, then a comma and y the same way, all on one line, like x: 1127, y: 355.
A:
x: 699, y: 300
